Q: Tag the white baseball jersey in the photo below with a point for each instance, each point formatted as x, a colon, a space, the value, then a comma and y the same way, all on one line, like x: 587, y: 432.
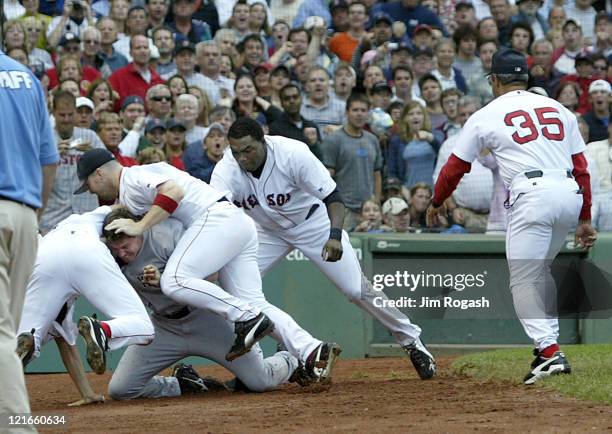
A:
x: 541, y: 135
x: 138, y: 188
x: 292, y: 181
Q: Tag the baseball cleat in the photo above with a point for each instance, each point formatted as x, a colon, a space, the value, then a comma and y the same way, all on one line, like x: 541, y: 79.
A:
x: 97, y: 343
x: 544, y: 367
x: 422, y: 360
x: 320, y: 362
x: 301, y: 376
x: 25, y: 347
x: 248, y: 333
x: 191, y: 383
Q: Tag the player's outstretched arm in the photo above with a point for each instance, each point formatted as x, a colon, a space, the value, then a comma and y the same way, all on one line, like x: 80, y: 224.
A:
x: 332, y: 251
x: 74, y: 365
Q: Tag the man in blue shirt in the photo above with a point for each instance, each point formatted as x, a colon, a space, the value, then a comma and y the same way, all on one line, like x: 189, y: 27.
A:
x: 28, y: 158
x: 412, y: 13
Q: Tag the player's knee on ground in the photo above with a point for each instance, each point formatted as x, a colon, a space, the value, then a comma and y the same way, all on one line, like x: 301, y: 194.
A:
x: 120, y: 390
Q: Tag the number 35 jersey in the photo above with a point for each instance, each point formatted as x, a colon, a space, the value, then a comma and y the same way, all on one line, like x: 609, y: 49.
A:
x: 524, y: 131
x: 291, y: 186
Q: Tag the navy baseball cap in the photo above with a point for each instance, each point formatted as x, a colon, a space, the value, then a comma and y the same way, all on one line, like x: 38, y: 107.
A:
x: 132, y: 99
x: 509, y: 61
x: 174, y: 123
x: 88, y: 164
x: 382, y: 17
x: 184, y: 45
x: 153, y: 124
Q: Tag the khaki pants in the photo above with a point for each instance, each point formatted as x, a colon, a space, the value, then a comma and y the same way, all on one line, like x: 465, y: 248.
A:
x: 18, y: 242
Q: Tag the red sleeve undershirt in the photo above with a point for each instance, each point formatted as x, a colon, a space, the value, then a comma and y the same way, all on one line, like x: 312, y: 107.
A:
x: 583, y: 179
x: 449, y: 178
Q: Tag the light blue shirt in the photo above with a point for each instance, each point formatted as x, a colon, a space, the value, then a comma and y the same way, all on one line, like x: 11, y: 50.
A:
x: 26, y: 139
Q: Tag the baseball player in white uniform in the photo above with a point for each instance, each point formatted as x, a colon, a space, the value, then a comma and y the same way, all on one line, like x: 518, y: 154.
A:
x: 218, y: 238
x: 294, y: 200
x: 180, y: 330
x: 539, y: 150
x: 72, y: 261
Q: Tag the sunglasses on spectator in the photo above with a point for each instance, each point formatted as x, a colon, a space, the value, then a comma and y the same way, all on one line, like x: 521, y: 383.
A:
x: 161, y: 98
x: 72, y: 49
x: 91, y: 41
x: 33, y: 29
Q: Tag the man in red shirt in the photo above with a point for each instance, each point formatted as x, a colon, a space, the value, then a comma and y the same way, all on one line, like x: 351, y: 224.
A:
x: 137, y: 77
x: 109, y: 130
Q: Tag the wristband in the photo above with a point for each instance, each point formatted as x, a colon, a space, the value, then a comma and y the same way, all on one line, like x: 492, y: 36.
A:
x: 335, y: 234
x: 166, y: 203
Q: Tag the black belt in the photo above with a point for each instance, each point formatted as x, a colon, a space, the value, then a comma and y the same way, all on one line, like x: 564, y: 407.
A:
x: 540, y: 173
x: 20, y: 203
x: 223, y: 199
x: 179, y: 314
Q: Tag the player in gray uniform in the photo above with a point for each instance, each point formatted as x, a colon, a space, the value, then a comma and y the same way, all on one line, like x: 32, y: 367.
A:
x: 181, y: 330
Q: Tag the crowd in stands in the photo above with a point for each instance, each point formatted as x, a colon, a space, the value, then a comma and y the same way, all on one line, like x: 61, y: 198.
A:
x: 377, y: 90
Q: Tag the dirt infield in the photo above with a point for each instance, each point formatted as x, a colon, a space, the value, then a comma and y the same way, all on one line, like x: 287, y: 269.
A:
x: 370, y: 395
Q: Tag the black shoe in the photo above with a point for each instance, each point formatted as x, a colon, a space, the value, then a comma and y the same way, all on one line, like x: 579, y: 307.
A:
x: 236, y: 385
x: 320, y: 362
x: 301, y: 376
x: 97, y: 343
x: 191, y: 383
x: 543, y: 367
x: 25, y: 347
x: 248, y: 333
x: 422, y: 360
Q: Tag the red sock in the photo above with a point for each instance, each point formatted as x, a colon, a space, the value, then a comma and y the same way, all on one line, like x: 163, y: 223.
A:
x: 549, y: 351
x: 106, y: 328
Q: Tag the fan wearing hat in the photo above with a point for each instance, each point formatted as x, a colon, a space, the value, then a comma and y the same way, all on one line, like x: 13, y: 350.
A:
x: 465, y: 14
x: 193, y: 30
x: 185, y: 58
x: 176, y: 132
x: 528, y: 13
x: 396, y: 215
x: 583, y: 78
x: 410, y: 12
x: 573, y: 44
x: 84, y: 111
x: 598, y: 119
x: 75, y: 18
x: 540, y: 153
x: 201, y: 156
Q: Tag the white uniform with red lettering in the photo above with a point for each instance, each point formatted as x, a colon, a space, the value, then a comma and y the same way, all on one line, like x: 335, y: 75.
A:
x: 72, y: 261
x: 218, y: 237
x: 540, y: 135
x: 286, y: 202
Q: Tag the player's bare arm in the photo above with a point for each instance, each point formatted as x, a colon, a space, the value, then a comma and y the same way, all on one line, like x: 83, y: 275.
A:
x: 74, y: 366
x: 332, y: 250
x: 169, y: 195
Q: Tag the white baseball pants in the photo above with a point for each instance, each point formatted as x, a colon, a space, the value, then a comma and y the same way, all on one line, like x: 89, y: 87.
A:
x: 543, y: 211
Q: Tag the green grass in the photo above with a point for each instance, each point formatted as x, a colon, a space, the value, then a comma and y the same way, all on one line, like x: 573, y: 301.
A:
x: 591, y: 376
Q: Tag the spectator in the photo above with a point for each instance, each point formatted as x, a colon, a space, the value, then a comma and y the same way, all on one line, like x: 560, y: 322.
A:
x: 258, y: 19
x: 291, y: 124
x: 598, y: 118
x: 15, y: 34
x: 177, y: 86
x: 91, y: 48
x: 154, y: 137
x: 487, y: 30
x: 500, y: 10
x: 247, y: 103
x: 476, y: 85
x: 204, y: 105
x: 208, y: 56
x: 151, y: 156
x: 132, y: 109
x: 584, y: 14
x: 207, y: 12
x: 371, y: 219
x: 373, y: 74
x: 184, y: 56
x: 393, y: 187
x: 469, y: 204
x: 556, y: 17
x: 20, y: 55
x: 521, y: 38
x: 320, y: 8
x: 71, y: 86
x: 108, y: 35
x: 163, y: 38
x: 285, y: 10
x: 201, y: 156
x: 34, y: 28
x: 563, y: 58
x: 252, y: 52
x: 448, y: 76
x: 183, y: 24
x: 137, y: 77
x: 431, y: 91
x: 110, y: 131
x: 555, y: 37
x: 159, y: 102
x: 157, y: 11
x: 262, y: 81
x: 396, y: 215
x: 400, y: 56
x: 354, y: 160
x: 422, y: 65
x: 568, y: 94
x: 137, y: 22
x: 422, y: 37
x: 600, y: 66
x: 25, y: 137
x: 279, y: 78
x: 412, y: 151
x: 411, y: 13
x: 466, y: 60
x: 381, y: 96
x: 395, y: 111
x: 542, y: 74
x: 603, y: 30
x: 402, y: 85
x: 186, y: 112
x: 343, y: 44
x: 75, y: 18
x: 583, y: 77
x: 32, y: 15
x: 239, y: 21
x: 71, y: 143
x: 420, y: 198
x: 84, y: 112
x: 600, y: 151
x: 450, y: 99
x: 119, y: 13
x: 528, y: 14
x: 326, y: 112
x: 279, y: 36
x: 175, y: 143
x: 223, y: 115
x: 465, y: 14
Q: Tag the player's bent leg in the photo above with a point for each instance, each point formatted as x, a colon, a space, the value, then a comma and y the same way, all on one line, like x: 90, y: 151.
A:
x: 206, y: 247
